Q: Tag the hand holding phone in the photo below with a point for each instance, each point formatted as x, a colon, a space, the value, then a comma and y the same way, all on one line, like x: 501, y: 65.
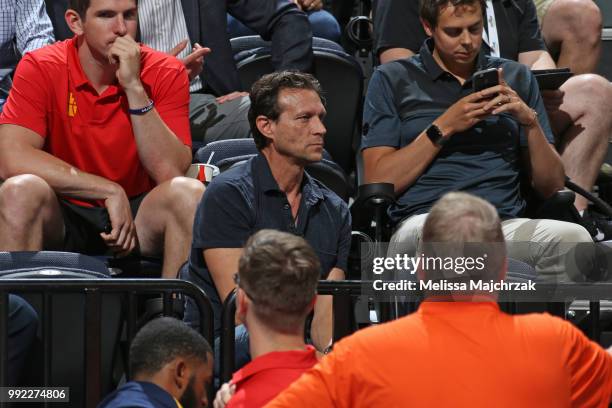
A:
x: 484, y: 79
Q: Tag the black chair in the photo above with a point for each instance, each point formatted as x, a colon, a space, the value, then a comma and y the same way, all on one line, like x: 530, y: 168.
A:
x: 56, y: 10
x: 341, y: 78
x: 227, y: 153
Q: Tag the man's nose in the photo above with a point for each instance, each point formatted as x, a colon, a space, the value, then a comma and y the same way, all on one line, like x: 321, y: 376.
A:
x: 318, y: 126
x: 120, y: 26
x: 465, y: 37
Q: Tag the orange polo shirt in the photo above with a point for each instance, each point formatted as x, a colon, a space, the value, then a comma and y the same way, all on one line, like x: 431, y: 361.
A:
x: 459, y: 355
x: 52, y: 96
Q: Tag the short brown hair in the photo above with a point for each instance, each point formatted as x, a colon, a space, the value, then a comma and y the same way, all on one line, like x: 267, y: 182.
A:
x: 279, y: 272
x: 81, y: 6
x: 430, y: 9
x: 264, y: 97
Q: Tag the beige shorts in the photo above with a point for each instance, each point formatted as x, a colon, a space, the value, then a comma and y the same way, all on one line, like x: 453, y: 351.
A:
x: 542, y: 7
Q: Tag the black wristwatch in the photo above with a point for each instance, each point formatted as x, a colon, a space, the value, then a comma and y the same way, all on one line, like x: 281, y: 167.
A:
x: 435, y: 135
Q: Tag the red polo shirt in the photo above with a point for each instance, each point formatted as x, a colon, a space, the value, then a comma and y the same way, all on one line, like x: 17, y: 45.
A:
x: 263, y: 378
x: 52, y: 96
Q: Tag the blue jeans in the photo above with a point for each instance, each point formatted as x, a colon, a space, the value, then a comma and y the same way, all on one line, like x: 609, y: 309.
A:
x: 323, y: 23
x: 242, y: 356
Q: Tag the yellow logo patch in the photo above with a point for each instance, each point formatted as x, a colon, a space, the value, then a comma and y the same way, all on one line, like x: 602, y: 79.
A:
x: 72, y: 106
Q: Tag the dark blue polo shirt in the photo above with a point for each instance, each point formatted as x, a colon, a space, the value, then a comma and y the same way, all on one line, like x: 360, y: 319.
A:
x: 139, y: 394
x: 405, y: 96
x: 246, y: 199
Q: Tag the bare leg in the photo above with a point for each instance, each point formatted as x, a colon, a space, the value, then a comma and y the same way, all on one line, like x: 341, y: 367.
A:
x: 164, y: 221
x: 584, y: 125
x: 30, y: 215
x: 572, y: 30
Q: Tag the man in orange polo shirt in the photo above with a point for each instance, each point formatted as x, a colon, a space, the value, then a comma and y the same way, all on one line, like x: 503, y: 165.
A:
x: 277, y: 281
x: 459, y: 349
x: 94, y: 139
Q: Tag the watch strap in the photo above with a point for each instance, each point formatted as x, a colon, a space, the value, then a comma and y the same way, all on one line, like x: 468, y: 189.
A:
x: 434, y: 134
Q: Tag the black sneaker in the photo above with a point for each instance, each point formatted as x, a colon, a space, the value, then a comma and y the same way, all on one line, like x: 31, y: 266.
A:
x: 598, y: 225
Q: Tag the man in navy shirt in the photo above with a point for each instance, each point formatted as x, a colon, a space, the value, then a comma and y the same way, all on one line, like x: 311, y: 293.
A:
x: 272, y: 191
x: 579, y: 111
x: 172, y: 366
x: 426, y: 132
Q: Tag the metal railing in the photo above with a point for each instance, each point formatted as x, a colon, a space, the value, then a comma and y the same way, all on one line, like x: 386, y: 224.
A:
x: 93, y: 290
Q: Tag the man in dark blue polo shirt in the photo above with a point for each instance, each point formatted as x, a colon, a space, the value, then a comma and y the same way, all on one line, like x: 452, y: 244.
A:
x: 427, y: 133
x: 579, y: 111
x: 273, y: 191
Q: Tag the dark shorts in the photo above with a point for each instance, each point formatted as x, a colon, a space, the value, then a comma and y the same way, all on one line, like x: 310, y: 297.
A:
x: 83, y: 226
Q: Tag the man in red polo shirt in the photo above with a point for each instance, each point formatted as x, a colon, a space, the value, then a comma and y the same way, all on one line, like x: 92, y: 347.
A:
x: 94, y: 139
x: 277, y: 285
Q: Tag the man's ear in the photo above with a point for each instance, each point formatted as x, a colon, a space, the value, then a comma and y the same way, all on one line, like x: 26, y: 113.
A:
x: 312, y: 304
x: 265, y: 126
x: 242, y: 304
x: 74, y: 21
x: 181, y: 375
x: 428, y: 29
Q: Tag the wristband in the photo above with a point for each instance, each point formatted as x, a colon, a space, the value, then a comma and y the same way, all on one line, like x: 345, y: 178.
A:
x: 142, y: 111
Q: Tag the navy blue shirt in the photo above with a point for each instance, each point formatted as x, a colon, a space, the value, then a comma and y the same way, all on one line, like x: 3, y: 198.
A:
x: 139, y: 394
x: 246, y: 199
x: 405, y: 96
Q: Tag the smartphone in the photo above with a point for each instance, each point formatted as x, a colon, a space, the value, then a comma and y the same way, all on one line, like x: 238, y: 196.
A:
x: 485, y: 79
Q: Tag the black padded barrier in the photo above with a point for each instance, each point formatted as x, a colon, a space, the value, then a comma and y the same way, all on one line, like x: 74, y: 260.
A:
x: 94, y: 289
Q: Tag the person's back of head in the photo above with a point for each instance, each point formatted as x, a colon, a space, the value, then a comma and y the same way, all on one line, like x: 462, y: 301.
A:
x: 173, y: 356
x: 462, y: 240
x: 278, y: 274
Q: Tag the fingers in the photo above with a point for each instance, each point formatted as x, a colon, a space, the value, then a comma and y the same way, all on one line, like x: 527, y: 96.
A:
x: 511, y: 107
x: 131, y: 244
x: 499, y: 100
x: 122, y: 48
x: 198, y: 53
x: 178, y: 48
x: 500, y: 76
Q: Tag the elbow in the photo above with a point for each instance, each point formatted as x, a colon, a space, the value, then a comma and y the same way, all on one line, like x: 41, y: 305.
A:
x: 550, y: 187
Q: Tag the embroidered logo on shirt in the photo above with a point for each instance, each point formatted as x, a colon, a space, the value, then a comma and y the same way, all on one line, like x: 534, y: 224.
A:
x: 72, y: 106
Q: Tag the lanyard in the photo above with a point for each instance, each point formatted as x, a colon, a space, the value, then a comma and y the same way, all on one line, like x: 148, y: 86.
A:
x: 489, y: 36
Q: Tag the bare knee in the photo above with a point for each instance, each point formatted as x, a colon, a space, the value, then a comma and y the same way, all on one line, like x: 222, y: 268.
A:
x: 590, y: 92
x: 580, y: 19
x: 23, y: 197
x: 185, y: 194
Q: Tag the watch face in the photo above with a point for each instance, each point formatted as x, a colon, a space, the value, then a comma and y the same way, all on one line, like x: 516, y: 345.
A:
x: 435, y: 135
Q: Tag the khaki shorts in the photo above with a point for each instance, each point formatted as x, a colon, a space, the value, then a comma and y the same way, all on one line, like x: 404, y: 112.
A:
x: 542, y: 7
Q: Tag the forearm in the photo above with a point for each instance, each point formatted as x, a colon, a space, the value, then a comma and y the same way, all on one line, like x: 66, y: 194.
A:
x: 323, y: 319
x: 392, y: 54
x: 65, y: 179
x: 163, y: 155
x: 537, y: 60
x: 401, y: 167
x: 547, y: 173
